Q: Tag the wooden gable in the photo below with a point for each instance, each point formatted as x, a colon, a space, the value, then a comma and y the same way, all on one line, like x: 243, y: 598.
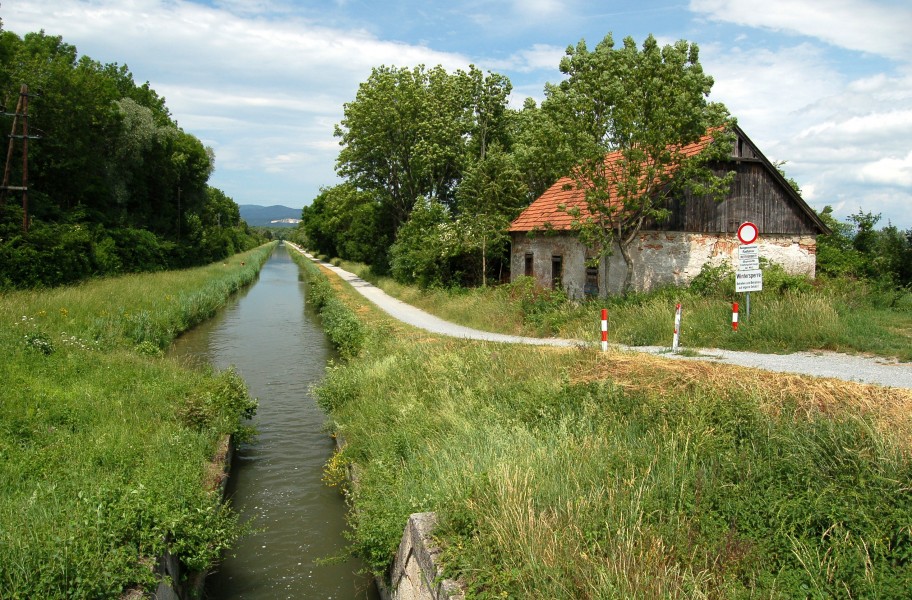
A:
x: 759, y: 194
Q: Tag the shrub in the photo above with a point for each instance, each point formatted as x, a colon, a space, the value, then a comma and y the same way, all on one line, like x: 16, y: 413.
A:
x: 713, y: 280
x: 544, y: 309
x: 777, y: 280
x: 343, y: 328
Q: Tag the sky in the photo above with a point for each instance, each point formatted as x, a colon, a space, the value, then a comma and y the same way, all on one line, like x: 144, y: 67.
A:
x: 824, y: 85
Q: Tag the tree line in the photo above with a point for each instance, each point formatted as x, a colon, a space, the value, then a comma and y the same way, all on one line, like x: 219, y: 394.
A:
x: 114, y: 184
x: 435, y: 165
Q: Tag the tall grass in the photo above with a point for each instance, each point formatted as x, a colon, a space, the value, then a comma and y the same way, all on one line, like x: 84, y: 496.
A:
x: 571, y: 474
x: 790, y: 314
x: 104, y: 449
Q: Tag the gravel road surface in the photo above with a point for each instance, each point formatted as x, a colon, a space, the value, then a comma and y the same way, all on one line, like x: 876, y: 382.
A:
x: 861, y: 369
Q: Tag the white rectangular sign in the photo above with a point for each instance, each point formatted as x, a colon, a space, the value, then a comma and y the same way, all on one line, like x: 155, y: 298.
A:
x: 751, y: 251
x: 748, y: 264
x: 749, y: 281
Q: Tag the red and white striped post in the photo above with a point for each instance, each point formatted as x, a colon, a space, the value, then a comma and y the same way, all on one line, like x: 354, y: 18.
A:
x: 674, y: 341
x: 604, y: 330
x: 734, y: 316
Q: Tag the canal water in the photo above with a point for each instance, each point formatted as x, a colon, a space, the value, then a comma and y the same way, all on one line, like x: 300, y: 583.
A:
x: 279, y: 349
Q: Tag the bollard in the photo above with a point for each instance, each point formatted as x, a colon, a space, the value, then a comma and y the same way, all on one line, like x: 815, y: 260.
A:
x: 674, y: 342
x: 604, y: 330
x: 734, y: 316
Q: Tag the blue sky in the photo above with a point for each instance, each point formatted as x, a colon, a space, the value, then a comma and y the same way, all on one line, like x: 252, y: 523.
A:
x: 825, y: 85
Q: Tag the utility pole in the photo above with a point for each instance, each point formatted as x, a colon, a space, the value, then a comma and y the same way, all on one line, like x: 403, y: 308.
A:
x: 20, y: 113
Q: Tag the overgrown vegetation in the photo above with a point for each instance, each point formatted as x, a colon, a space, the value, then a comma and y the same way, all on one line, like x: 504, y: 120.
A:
x: 114, y: 184
x: 792, y: 314
x: 577, y: 474
x: 340, y: 323
x: 104, y: 445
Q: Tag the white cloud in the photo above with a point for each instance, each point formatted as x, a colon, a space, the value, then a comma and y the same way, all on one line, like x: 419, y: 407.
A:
x: 538, y: 8
x: 538, y: 57
x: 260, y: 85
x: 877, y: 27
x: 845, y: 140
x: 890, y: 171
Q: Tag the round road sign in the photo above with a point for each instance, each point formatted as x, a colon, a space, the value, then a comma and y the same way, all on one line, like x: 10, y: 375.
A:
x: 748, y: 233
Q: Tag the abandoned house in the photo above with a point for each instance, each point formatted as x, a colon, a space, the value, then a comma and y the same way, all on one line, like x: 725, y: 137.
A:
x: 699, y: 230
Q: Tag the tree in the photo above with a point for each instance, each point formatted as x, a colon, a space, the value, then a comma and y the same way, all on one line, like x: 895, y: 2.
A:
x: 854, y: 248
x: 540, y: 149
x: 111, y: 178
x: 489, y: 196
x: 343, y: 221
x: 426, y: 247
x: 402, y: 137
x: 645, y: 108
x: 412, y: 133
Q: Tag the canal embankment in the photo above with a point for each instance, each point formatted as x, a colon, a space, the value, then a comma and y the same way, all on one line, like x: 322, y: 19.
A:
x: 296, y: 548
x: 104, y: 445
x: 566, y: 473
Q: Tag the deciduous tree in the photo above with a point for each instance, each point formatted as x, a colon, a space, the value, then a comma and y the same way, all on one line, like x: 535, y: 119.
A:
x: 645, y: 106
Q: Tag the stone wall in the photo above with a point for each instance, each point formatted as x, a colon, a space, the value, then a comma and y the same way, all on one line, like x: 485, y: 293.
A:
x: 415, y: 574
x: 660, y: 258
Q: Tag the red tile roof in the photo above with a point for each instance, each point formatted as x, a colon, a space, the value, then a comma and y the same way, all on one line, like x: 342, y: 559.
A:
x: 544, y: 212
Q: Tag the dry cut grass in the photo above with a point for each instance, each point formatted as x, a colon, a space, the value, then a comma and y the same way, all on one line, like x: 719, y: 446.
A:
x: 889, y: 409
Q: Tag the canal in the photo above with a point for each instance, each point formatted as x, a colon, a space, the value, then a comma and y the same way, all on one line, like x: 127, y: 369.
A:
x: 280, y: 350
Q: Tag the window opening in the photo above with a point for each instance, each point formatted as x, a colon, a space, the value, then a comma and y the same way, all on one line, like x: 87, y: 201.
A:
x: 592, y: 286
x: 557, y: 267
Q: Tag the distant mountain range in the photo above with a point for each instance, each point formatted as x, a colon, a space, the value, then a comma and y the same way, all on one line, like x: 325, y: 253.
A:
x: 270, y: 216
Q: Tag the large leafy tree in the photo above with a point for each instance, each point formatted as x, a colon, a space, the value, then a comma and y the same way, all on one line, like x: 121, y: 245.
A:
x: 489, y: 196
x: 344, y: 221
x: 540, y: 148
x: 412, y: 133
x: 401, y: 137
x: 645, y: 105
x: 109, y: 150
x: 114, y: 184
x: 855, y: 248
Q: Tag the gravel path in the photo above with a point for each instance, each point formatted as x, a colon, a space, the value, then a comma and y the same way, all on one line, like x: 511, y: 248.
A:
x: 847, y: 367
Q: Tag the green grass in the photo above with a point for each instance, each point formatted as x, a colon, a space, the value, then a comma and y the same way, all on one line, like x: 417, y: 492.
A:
x: 576, y: 474
x: 790, y: 315
x: 104, y: 445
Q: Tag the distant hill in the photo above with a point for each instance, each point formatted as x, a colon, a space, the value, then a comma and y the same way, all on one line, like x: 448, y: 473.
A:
x: 270, y: 216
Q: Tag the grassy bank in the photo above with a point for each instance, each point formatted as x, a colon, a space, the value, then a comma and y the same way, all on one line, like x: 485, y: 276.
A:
x: 104, y: 445
x: 791, y: 314
x: 575, y: 474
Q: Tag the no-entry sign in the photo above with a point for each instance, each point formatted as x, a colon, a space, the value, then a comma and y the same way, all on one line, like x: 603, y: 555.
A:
x: 748, y: 233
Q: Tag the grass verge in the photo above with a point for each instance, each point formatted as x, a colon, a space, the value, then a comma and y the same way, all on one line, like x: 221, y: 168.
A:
x: 790, y: 315
x: 104, y: 445
x: 574, y: 474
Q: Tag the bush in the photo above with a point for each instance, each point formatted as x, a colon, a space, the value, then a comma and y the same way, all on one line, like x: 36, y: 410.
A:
x: 544, y: 309
x: 777, y: 280
x: 714, y: 280
x: 343, y: 328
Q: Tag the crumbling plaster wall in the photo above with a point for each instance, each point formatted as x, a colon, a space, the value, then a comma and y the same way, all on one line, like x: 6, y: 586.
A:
x: 660, y: 257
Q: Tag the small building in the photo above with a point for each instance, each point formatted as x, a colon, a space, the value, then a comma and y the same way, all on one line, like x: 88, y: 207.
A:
x: 700, y: 230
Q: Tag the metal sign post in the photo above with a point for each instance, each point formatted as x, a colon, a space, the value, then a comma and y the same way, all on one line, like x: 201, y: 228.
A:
x: 748, y: 277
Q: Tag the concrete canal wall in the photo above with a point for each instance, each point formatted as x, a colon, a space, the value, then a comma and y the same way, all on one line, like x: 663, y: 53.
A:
x: 415, y: 574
